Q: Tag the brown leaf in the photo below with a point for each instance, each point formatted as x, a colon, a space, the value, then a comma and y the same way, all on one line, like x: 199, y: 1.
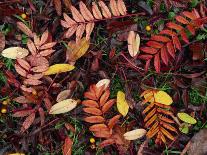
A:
x: 38, y: 61
x: 113, y: 121
x: 68, y: 20
x: 20, y: 70
x: 93, y: 111
x: 35, y: 76
x: 105, y: 10
x: 36, y: 40
x: 85, y: 12
x: 31, y: 47
x: 114, y: 8
x: 2, y: 41
x: 70, y: 31
x: 89, y: 29
x: 48, y: 103
x: 96, y: 12
x: 94, y: 119
x: 28, y: 122
x: 58, y: 7
x: 22, y: 113
x: 42, y: 116
x: 32, y: 82
x: 46, y: 52
x: 21, y: 99
x: 102, y: 134
x: 24, y: 64
x: 39, y: 68
x: 106, y: 143
x: 98, y: 127
x: 25, y: 29
x: 63, y: 95
x: 67, y: 4
x: 67, y: 147
x: 108, y: 105
x: 79, y: 32
x: 48, y: 45
x: 121, y: 7
x: 76, y: 15
x: 44, y: 38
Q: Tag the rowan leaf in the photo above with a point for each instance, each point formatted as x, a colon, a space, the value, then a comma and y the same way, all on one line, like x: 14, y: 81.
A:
x: 28, y: 122
x: 104, y: 82
x: 15, y: 52
x: 122, y: 104
x: 58, y: 68
x: 135, y: 134
x: 186, y: 118
x: 163, y: 98
x: 133, y: 43
x: 67, y: 147
x: 63, y: 106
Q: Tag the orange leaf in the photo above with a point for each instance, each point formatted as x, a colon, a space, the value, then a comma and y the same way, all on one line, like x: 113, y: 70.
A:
x: 167, y: 134
x: 58, y: 7
x: 90, y: 95
x: 68, y: 20
x: 79, y: 32
x: 67, y: 147
x: 181, y: 19
x: 108, y: 105
x: 98, y: 127
x: 90, y: 103
x: 113, y: 121
x: 102, y: 134
x: 93, y: 111
x: 174, y: 26
x: 189, y: 15
x: 149, y: 115
x: 94, y: 119
x: 114, y: 8
x: 70, y: 31
x: 89, y: 29
x: 151, y: 120
x: 104, y: 97
x: 184, y: 36
x: 121, y: 7
x: 160, y: 38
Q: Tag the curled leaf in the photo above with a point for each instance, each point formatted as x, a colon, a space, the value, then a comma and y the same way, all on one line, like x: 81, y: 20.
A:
x: 122, y: 104
x: 58, y: 68
x: 63, y: 106
x: 135, y: 134
x: 186, y: 118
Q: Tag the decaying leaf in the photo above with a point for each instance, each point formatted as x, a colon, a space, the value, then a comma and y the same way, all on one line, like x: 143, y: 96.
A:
x: 2, y: 41
x: 186, y: 118
x: 104, y: 82
x: 122, y: 104
x: 58, y: 68
x: 163, y: 98
x: 28, y: 121
x: 67, y: 147
x: 135, y: 134
x: 133, y: 43
x: 15, y: 52
x: 77, y: 50
x: 63, y: 95
x: 63, y: 106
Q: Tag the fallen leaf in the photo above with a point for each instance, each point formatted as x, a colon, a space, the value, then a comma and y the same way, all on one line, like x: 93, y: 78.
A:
x: 63, y: 106
x: 63, y: 95
x: 15, y: 52
x: 2, y: 41
x: 104, y: 82
x: 184, y: 128
x: 186, y: 118
x: 28, y: 122
x: 67, y: 147
x: 163, y: 98
x: 135, y: 134
x: 58, y: 68
x: 122, y: 104
x: 133, y: 43
x: 16, y: 154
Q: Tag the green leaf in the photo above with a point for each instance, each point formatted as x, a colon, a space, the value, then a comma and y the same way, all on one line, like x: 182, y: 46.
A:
x: 186, y: 118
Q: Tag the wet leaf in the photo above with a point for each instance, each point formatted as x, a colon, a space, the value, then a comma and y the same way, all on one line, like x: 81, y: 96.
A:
x: 122, y: 104
x: 28, y: 122
x: 67, y: 147
x: 133, y: 43
x: 163, y: 98
x: 186, y: 118
x: 63, y: 106
x: 135, y: 134
x: 15, y: 52
x: 58, y: 68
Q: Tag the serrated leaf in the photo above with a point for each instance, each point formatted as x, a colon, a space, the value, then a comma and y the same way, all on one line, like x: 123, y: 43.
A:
x: 122, y: 104
x: 163, y: 98
x: 186, y: 118
x: 58, y: 68
x: 63, y: 106
x: 135, y: 134
x: 15, y: 52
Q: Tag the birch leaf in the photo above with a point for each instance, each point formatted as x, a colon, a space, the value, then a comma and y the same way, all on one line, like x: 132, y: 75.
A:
x: 135, y: 134
x: 133, y: 43
x: 15, y: 52
x: 122, y: 104
x: 58, y: 68
x: 63, y: 106
x: 186, y: 118
x: 163, y: 98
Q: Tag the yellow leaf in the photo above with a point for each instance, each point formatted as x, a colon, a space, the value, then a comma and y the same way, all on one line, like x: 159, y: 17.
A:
x: 58, y: 68
x: 77, y: 50
x: 122, y: 104
x: 148, y: 95
x: 63, y: 106
x: 163, y: 98
x: 186, y: 118
x: 15, y: 52
x: 135, y: 134
x: 16, y: 154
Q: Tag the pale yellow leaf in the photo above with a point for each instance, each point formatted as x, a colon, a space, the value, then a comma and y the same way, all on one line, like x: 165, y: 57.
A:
x: 133, y: 43
x: 186, y: 118
x: 104, y: 82
x: 163, y: 98
x: 122, y: 104
x: 16, y: 154
x: 15, y: 52
x: 77, y: 50
x: 58, y: 68
x: 135, y: 134
x: 63, y: 106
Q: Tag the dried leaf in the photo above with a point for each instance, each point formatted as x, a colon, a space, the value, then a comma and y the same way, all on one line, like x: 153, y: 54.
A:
x: 76, y: 15
x: 104, y: 82
x: 63, y: 95
x: 48, y: 45
x: 94, y: 119
x: 31, y: 47
x: 22, y: 113
x: 28, y: 122
x: 121, y: 7
x: 32, y: 82
x: 96, y: 12
x: 63, y: 106
x: 135, y: 134
x: 44, y: 37
x: 85, y: 12
x: 89, y: 29
x: 105, y: 10
x: 67, y: 147
x: 163, y: 98
x: 186, y: 118
x: 122, y: 104
x: 58, y: 6
x: 2, y: 41
x: 21, y: 99
x: 25, y: 29
x: 15, y: 52
x: 24, y: 64
x: 59, y: 68
x: 133, y: 43
x: 79, y: 32
x: 114, y: 8
x: 20, y: 70
x: 71, y: 31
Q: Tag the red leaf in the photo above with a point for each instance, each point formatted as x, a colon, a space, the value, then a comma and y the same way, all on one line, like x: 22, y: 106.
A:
x: 28, y: 122
x: 171, y: 49
x: 181, y: 20
x: 145, y: 57
x: 174, y: 26
x: 147, y: 65
x: 67, y: 147
x: 42, y: 116
x: 160, y: 38
x: 176, y: 42
x: 148, y: 50
x: 154, y: 44
x: 191, y: 29
x: 157, y: 62
x: 189, y: 15
x: 168, y: 32
x: 164, y: 55
x: 184, y: 36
